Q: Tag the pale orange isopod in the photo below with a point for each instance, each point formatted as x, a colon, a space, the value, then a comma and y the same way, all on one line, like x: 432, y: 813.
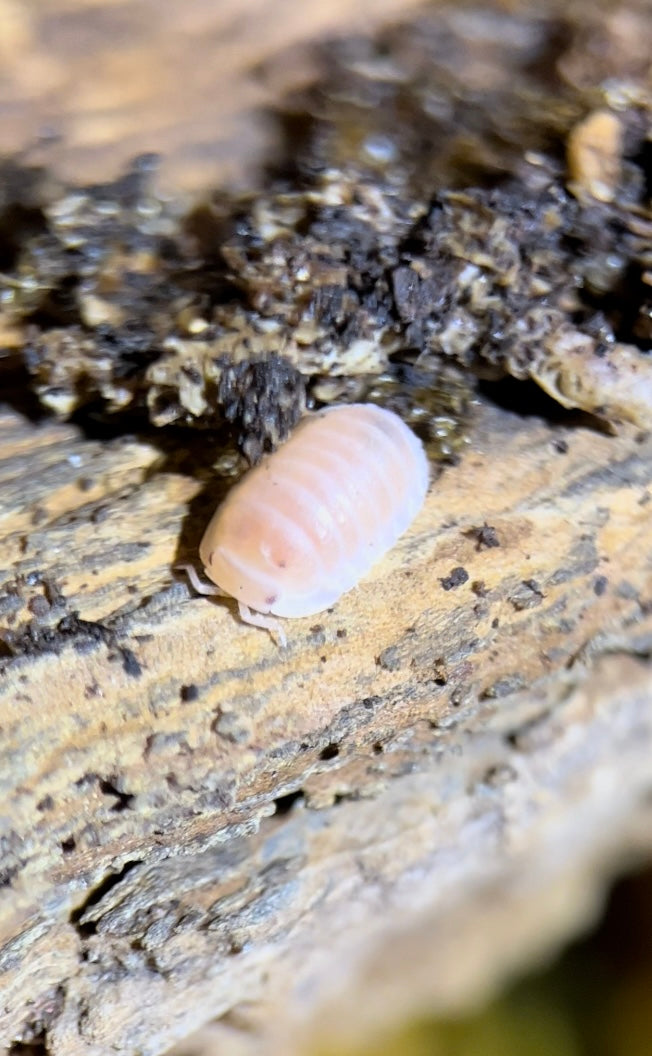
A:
x: 304, y: 526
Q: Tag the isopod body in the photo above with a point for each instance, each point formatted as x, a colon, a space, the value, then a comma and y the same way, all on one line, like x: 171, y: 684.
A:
x: 304, y: 526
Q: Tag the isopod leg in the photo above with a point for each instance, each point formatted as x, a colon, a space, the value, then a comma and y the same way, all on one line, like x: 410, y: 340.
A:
x: 255, y: 619
x: 268, y: 623
x: 195, y: 581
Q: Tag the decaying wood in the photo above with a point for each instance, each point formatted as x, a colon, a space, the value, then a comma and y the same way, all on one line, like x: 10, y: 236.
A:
x: 416, y: 760
x: 428, y: 790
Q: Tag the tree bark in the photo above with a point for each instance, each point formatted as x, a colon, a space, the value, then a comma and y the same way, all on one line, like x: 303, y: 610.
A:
x: 196, y: 820
x: 427, y: 791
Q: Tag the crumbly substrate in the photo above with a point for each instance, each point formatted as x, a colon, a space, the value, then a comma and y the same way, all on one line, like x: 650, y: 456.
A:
x: 464, y: 197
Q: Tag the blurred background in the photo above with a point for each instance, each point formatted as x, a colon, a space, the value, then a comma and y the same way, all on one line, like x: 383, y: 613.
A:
x: 593, y: 1001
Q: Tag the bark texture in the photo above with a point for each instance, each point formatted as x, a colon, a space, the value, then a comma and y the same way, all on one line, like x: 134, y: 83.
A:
x: 197, y: 821
x: 428, y: 790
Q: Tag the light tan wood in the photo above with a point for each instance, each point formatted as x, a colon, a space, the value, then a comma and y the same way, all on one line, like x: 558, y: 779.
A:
x: 428, y: 791
x: 119, y: 778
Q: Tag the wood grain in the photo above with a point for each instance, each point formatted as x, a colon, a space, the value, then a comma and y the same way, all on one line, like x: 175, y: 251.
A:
x: 427, y: 791
x: 147, y: 768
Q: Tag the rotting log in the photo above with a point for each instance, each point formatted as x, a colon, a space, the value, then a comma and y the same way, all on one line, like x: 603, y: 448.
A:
x: 199, y: 824
x: 427, y: 791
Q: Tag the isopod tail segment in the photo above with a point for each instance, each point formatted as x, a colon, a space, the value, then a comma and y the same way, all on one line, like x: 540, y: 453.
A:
x: 247, y: 615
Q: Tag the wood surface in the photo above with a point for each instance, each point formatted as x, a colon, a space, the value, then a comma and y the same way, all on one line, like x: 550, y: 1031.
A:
x: 447, y: 744
x: 426, y: 792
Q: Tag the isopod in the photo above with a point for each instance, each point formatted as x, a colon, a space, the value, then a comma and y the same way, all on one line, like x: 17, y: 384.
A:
x: 303, y: 527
